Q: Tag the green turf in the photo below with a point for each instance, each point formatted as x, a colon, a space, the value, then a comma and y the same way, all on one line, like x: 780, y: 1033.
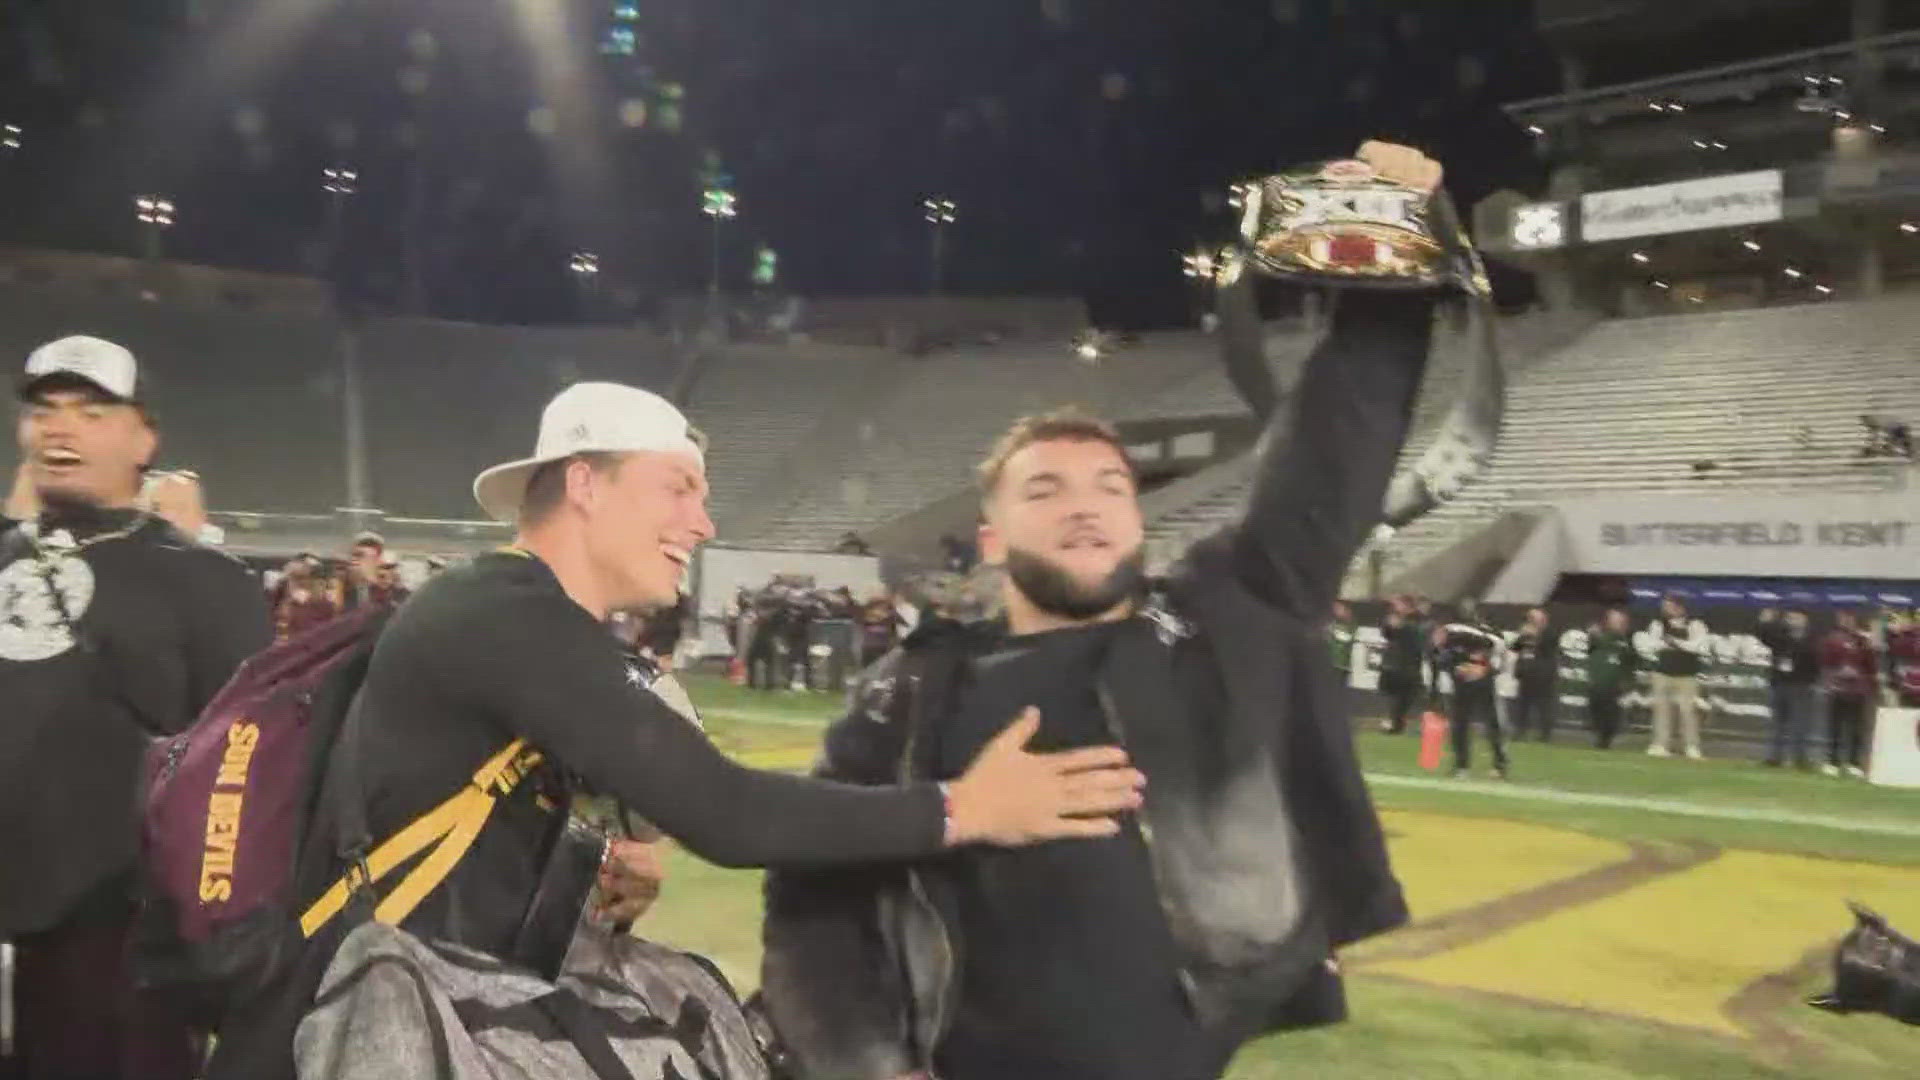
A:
x: 1398, y: 1030
x: 1403, y: 1030
x: 1566, y: 766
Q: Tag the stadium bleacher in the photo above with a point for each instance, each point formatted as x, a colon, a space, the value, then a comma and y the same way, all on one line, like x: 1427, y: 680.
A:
x: 812, y: 441
x: 927, y: 427
x: 445, y: 400
x: 251, y: 400
x: 1762, y: 399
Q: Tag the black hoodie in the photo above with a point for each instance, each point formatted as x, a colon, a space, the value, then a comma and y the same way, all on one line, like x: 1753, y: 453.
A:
x: 162, y: 623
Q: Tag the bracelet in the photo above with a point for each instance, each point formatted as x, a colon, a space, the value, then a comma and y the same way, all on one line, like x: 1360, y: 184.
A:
x: 947, y: 835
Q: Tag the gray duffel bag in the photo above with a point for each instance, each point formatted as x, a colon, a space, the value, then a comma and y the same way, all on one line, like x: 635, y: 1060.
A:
x: 393, y: 1007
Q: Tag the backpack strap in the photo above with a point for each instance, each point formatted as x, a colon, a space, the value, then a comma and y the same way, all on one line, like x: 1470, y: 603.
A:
x: 444, y: 833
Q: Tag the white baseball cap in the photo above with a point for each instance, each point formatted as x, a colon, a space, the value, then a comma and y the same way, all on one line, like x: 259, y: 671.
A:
x: 589, y: 417
x: 102, y: 363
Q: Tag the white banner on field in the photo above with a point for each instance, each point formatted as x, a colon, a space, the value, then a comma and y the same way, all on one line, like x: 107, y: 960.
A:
x: 1896, y: 748
x: 1714, y: 202
x: 1817, y: 536
x: 725, y: 571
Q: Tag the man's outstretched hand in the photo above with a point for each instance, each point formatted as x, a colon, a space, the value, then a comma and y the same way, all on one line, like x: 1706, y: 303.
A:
x: 1011, y: 797
x: 630, y: 879
x: 1402, y: 164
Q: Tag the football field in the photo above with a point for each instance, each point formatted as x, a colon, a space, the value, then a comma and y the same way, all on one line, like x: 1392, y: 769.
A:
x: 1603, y: 916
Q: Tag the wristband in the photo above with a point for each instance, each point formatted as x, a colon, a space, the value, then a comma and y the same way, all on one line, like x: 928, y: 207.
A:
x: 947, y: 835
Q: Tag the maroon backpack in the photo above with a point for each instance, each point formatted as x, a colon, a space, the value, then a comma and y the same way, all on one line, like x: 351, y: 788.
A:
x: 228, y: 808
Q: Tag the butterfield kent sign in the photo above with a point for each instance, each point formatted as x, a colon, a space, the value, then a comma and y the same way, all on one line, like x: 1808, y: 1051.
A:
x: 1867, y: 536
x: 1756, y: 533
x: 1714, y: 202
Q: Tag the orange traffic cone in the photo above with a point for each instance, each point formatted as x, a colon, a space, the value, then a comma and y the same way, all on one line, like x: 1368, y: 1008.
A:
x: 1433, y: 740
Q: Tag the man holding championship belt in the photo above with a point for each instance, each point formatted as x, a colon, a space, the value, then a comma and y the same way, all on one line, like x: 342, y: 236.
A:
x: 1215, y: 913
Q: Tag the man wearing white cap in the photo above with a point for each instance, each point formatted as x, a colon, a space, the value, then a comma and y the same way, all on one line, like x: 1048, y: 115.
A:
x: 610, y: 509
x: 114, y: 627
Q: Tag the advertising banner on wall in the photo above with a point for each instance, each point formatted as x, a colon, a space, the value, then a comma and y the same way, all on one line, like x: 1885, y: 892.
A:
x: 1714, y: 202
x: 1802, y: 536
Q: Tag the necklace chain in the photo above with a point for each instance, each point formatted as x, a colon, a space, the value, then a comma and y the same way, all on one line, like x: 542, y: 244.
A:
x: 47, y: 553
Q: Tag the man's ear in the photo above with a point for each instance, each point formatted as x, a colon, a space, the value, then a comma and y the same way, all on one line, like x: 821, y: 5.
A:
x: 581, y: 489
x: 993, y: 550
x: 147, y: 442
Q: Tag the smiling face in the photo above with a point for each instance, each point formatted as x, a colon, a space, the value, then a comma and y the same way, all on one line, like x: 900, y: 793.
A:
x: 643, y: 521
x: 81, y: 446
x: 1063, y: 518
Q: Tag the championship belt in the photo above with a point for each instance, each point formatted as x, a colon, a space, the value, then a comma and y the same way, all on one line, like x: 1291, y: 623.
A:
x: 1343, y: 224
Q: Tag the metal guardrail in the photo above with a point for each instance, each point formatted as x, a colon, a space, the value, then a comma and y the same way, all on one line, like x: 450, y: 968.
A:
x: 273, y: 533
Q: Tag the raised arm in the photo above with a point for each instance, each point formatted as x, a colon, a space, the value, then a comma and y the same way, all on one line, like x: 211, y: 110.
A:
x: 1327, y: 454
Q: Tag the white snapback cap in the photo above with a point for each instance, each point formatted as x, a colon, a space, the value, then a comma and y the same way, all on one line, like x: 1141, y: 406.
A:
x: 589, y: 417
x: 102, y: 363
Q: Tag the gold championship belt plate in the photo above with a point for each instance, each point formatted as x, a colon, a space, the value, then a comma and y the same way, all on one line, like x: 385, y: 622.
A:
x: 1341, y: 223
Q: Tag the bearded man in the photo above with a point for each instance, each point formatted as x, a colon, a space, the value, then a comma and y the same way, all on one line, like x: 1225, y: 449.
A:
x: 1214, y: 914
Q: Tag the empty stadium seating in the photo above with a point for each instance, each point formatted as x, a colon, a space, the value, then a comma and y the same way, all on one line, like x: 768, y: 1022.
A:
x: 250, y: 400
x: 445, y: 400
x: 936, y: 416
x: 1765, y: 399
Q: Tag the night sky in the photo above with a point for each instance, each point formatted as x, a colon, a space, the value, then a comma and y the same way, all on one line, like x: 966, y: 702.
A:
x: 1087, y: 142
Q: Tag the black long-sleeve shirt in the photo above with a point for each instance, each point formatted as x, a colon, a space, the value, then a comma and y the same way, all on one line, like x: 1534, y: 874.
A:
x: 1796, y: 660
x: 162, y: 622
x: 497, y: 650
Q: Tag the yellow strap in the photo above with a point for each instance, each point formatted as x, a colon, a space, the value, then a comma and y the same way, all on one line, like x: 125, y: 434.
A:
x: 469, y: 808
x: 474, y: 808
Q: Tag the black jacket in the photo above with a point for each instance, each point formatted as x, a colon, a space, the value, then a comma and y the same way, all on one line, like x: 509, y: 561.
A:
x: 1536, y: 655
x: 1221, y: 690
x: 1406, y: 650
x: 1796, y: 661
x: 162, y: 623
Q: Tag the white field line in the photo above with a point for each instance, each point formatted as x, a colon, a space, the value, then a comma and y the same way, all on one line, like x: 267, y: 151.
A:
x: 1678, y: 807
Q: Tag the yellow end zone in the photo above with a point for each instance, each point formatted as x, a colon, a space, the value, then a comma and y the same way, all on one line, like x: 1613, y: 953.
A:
x: 1449, y: 863
x: 1674, y: 949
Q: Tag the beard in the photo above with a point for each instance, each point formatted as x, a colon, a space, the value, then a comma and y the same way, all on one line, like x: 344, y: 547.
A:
x: 1049, y: 587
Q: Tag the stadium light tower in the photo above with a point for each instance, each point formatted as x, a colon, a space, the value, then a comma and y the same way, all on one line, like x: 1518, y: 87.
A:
x: 940, y: 213
x: 156, y: 216
x: 10, y: 137
x: 722, y: 206
x: 340, y: 184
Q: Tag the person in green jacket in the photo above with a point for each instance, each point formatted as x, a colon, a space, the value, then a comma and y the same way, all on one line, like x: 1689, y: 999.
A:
x: 1611, y: 663
x: 1340, y: 639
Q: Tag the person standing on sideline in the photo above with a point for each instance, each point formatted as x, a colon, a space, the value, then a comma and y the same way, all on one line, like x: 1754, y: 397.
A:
x: 1849, y: 675
x: 1793, y: 671
x: 1340, y: 640
x: 1536, y: 666
x: 1903, y: 658
x: 1402, y: 663
x: 115, y: 628
x: 1680, y: 648
x: 1470, y: 653
x: 1611, y: 663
